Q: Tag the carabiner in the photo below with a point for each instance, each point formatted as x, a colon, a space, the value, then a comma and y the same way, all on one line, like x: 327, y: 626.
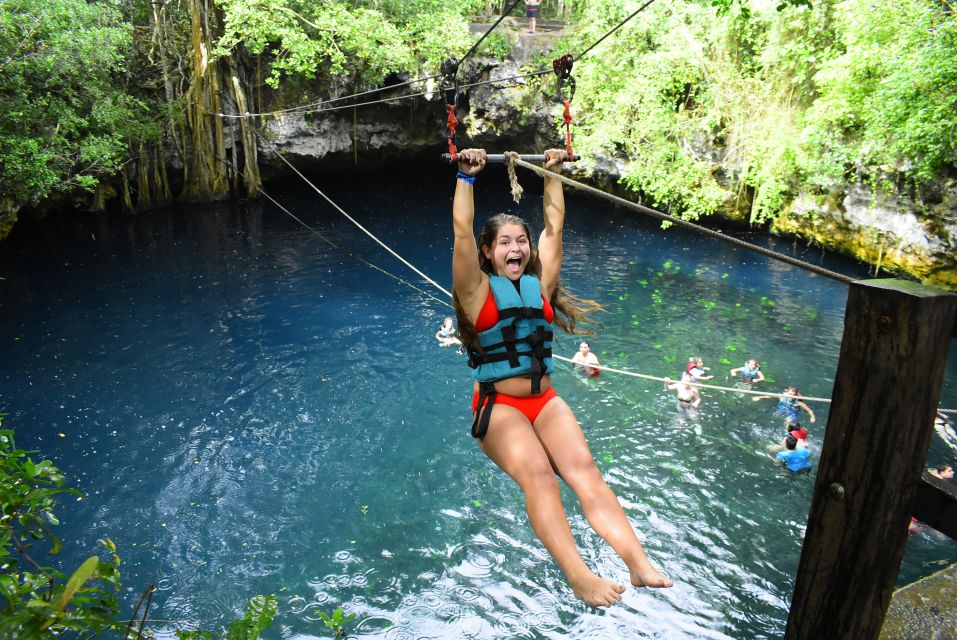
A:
x: 563, y: 71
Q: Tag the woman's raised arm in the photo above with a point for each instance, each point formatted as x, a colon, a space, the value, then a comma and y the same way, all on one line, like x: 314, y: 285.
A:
x: 466, y: 273
x: 550, y: 242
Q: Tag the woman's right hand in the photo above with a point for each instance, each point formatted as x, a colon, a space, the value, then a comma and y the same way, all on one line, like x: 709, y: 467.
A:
x: 471, y: 161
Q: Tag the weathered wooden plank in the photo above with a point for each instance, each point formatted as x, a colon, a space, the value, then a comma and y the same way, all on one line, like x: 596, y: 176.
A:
x: 936, y: 504
x: 891, y: 366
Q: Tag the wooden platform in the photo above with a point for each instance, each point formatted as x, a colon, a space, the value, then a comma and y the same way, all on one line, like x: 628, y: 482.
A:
x: 924, y: 610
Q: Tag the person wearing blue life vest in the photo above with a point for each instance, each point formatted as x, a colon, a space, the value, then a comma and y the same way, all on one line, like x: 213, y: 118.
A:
x: 751, y: 373
x: 793, y: 457
x: 790, y: 405
x: 507, y: 297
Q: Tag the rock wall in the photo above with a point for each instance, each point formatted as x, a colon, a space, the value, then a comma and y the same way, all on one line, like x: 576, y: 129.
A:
x: 8, y: 216
x: 892, y: 233
x: 895, y: 234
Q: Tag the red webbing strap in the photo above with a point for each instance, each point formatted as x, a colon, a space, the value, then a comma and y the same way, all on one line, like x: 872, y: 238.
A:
x: 450, y: 130
x: 568, y: 128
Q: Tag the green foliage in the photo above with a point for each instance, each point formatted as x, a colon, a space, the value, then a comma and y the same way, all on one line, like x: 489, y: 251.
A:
x: 639, y: 100
x: 724, y: 6
x: 259, y: 614
x: 337, y: 621
x: 496, y: 45
x: 39, y: 601
x: 339, y: 38
x: 63, y: 119
x: 718, y: 103
x: 888, y: 102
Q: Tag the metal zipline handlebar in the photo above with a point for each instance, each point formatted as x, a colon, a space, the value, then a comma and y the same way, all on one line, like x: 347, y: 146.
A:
x: 501, y: 158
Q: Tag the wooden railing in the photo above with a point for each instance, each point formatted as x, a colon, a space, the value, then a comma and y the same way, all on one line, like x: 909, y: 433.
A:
x: 871, y: 477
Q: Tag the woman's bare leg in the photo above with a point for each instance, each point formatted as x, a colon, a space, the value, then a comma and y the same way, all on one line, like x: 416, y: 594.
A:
x: 511, y: 443
x: 564, y: 442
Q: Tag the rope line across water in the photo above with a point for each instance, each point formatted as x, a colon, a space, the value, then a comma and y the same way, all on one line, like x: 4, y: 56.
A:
x: 350, y: 253
x: 701, y: 385
x: 513, y: 158
x: 643, y: 209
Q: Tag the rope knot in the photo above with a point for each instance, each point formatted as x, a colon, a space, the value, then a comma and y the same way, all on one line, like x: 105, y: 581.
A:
x: 517, y: 190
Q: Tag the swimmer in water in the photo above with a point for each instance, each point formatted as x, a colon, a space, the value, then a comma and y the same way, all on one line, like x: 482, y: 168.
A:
x: 446, y: 334
x: 688, y: 397
x: 584, y: 357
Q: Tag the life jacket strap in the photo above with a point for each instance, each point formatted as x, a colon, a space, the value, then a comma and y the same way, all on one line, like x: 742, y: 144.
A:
x: 536, y: 340
x: 483, y: 412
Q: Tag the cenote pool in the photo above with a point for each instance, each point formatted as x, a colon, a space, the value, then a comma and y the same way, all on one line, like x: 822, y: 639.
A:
x: 250, y: 410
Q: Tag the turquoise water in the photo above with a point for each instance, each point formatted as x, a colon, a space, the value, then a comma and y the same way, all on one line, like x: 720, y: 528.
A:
x: 249, y: 410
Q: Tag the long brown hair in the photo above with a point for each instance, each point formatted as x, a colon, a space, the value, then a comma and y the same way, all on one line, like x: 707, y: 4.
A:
x: 570, y: 310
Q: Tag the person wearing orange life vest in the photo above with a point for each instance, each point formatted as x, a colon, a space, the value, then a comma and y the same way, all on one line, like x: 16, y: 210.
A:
x: 507, y: 296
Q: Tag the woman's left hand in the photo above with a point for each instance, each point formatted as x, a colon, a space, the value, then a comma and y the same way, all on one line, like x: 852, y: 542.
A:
x: 554, y: 159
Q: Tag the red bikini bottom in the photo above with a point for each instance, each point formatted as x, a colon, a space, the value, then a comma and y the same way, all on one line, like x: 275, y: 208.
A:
x: 530, y: 406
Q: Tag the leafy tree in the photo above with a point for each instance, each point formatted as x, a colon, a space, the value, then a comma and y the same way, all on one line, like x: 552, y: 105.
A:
x: 64, y: 120
x: 40, y: 601
x: 734, y: 103
x: 646, y: 96
x: 338, y: 38
x: 887, y: 104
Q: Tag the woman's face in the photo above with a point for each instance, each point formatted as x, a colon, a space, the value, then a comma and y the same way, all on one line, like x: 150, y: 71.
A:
x: 510, y: 252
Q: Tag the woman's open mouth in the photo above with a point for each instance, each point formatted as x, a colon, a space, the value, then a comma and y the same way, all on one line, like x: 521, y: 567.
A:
x: 514, y: 265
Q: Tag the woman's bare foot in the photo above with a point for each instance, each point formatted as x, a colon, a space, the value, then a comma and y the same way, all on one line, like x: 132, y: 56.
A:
x: 597, y: 592
x: 645, y: 575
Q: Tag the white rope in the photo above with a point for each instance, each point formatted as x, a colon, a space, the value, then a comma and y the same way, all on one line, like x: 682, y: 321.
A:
x: 364, y: 230
x: 765, y: 394
x: 357, y: 257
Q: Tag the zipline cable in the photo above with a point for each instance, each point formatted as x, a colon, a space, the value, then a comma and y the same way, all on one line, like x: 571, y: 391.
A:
x: 350, y: 253
x: 363, y: 229
x: 684, y: 223
x: 317, y: 106
x: 758, y: 394
x: 320, y: 109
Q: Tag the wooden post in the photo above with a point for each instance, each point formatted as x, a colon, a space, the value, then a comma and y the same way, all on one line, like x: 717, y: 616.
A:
x: 936, y: 504
x: 891, y: 367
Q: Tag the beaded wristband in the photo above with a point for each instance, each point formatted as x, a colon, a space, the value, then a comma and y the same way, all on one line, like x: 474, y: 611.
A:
x: 465, y: 177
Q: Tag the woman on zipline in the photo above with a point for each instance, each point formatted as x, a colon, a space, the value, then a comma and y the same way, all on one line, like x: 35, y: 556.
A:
x: 506, y: 297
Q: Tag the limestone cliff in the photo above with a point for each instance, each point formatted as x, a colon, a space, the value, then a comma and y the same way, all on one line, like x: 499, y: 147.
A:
x: 893, y: 233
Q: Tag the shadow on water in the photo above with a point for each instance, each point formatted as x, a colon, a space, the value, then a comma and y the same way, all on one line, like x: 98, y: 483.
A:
x: 251, y: 411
